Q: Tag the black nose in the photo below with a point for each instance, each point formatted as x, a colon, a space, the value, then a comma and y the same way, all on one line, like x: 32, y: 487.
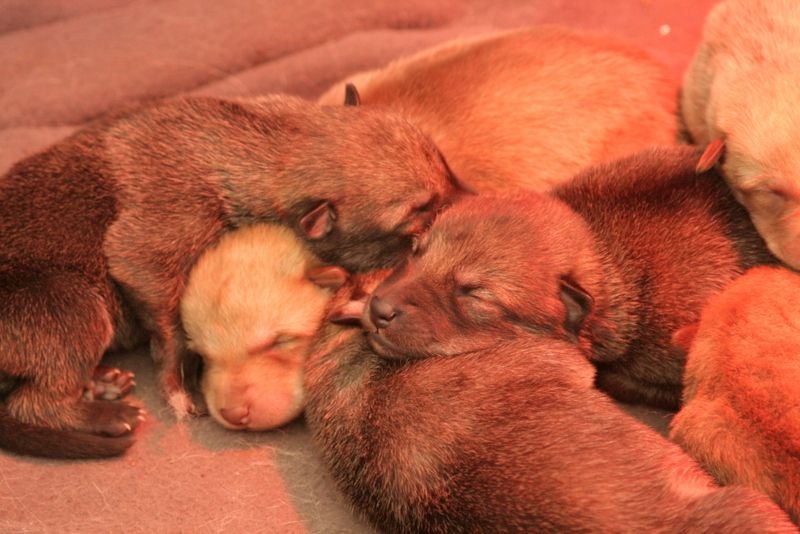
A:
x: 381, y: 312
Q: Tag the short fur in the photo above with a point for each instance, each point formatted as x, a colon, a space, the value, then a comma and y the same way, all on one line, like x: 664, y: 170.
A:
x: 100, y: 231
x: 614, y: 262
x: 527, y: 108
x: 250, y: 310
x: 509, y: 437
x: 743, y: 87
x: 741, y: 413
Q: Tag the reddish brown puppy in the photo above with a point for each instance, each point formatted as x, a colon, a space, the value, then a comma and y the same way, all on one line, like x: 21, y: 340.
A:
x: 613, y: 262
x: 741, y: 413
x: 509, y: 435
x: 100, y: 231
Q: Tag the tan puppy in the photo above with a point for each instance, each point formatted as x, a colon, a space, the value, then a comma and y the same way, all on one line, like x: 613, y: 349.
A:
x: 509, y: 435
x: 250, y: 309
x: 742, y: 90
x: 527, y: 108
x: 741, y: 413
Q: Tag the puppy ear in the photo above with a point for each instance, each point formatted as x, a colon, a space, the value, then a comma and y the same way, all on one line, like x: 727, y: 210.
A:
x: 328, y: 276
x: 351, y: 96
x: 713, y: 153
x: 318, y: 222
x: 577, y: 302
x: 684, y: 336
x: 349, y: 313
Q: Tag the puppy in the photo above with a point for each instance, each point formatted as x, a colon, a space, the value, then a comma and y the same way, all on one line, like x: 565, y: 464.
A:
x: 251, y: 305
x: 526, y: 108
x: 741, y: 91
x: 509, y: 435
x: 741, y: 413
x: 100, y: 231
x: 613, y: 262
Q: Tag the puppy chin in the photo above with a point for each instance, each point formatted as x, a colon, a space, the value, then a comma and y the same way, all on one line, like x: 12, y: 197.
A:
x: 389, y: 350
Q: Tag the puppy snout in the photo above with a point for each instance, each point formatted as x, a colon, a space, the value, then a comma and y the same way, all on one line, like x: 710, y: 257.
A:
x: 381, y: 313
x: 238, y: 416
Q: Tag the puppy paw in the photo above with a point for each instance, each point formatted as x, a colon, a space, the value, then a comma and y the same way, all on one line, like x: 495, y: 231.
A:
x: 113, y: 418
x: 109, y: 383
x: 182, y: 405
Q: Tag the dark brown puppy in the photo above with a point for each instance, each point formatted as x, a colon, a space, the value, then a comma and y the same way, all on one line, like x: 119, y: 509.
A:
x: 614, y: 262
x: 508, y: 437
x: 100, y: 231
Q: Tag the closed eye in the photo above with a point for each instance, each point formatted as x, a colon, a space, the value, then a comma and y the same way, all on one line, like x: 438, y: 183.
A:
x: 471, y: 290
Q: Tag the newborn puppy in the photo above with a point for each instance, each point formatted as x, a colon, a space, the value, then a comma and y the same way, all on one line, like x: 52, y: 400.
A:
x: 741, y: 90
x: 526, y: 108
x: 507, y: 436
x: 251, y: 305
x: 100, y: 231
x: 612, y: 262
x: 741, y: 413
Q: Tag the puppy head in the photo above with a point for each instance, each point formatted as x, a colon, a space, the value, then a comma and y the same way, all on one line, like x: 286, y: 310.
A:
x: 487, y: 268
x: 760, y: 125
x: 373, y: 182
x: 250, y: 308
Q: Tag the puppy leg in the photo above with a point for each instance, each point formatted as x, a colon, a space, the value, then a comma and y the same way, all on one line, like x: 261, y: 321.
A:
x: 54, y: 328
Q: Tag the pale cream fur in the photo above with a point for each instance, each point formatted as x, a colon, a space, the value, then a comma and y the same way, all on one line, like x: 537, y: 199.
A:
x: 250, y: 311
x: 527, y: 108
x: 743, y: 86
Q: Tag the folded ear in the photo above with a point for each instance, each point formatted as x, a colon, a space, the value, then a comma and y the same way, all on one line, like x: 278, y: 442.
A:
x: 577, y: 302
x: 318, y: 222
x: 328, y: 276
x: 349, y: 313
x: 713, y: 153
x: 684, y: 336
x: 351, y: 96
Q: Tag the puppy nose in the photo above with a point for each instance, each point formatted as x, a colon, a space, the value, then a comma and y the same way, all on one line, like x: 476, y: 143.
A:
x: 237, y: 416
x: 381, y: 312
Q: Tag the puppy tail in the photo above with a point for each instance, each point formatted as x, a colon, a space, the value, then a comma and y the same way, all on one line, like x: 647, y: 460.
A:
x: 736, y: 509
x: 30, y: 440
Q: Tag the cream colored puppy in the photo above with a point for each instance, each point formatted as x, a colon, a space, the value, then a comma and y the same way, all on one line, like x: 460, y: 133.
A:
x: 527, y: 108
x: 741, y: 93
x: 250, y: 307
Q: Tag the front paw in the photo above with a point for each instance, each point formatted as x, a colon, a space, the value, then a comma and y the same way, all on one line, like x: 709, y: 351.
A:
x: 177, y: 397
x: 112, y: 418
x: 109, y: 383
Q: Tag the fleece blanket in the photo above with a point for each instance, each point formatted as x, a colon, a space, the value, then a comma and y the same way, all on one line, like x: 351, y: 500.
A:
x: 63, y: 62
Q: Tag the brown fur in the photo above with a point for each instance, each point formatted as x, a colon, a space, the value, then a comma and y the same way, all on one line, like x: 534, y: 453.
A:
x: 527, y: 108
x: 100, y: 231
x: 614, y: 262
x: 508, y: 437
x: 741, y: 413
x: 743, y: 87
x: 250, y: 310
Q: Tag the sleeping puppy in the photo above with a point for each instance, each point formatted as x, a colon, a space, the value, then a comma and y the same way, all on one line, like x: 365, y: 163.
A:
x: 526, y: 108
x: 100, y: 231
x: 741, y: 412
x: 506, y: 434
x: 251, y: 305
x: 741, y: 92
x: 612, y: 262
